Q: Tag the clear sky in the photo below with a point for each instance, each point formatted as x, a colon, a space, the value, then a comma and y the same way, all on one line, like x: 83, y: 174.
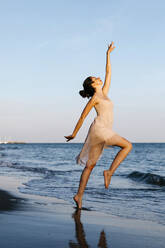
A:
x: 47, y: 49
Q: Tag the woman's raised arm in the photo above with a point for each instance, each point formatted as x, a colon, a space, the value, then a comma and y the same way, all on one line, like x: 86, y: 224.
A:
x: 107, y: 81
x: 85, y: 112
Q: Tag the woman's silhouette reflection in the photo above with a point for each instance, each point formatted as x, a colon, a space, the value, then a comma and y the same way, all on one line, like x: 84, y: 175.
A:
x: 80, y: 234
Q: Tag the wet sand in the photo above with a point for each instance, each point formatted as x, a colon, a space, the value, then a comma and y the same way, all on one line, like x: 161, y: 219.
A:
x: 35, y: 221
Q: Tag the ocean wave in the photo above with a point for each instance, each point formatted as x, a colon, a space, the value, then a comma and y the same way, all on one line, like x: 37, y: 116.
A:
x: 8, y: 164
x: 46, y: 172
x: 11, y: 147
x: 25, y: 168
x: 2, y: 154
x: 149, y: 178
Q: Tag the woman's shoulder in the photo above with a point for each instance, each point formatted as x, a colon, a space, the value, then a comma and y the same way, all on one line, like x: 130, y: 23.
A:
x: 100, y: 97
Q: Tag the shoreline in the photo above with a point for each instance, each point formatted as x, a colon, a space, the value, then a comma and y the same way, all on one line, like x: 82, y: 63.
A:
x: 51, y: 222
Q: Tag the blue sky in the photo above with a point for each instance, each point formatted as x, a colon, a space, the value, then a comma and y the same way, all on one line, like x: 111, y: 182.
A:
x: 49, y: 47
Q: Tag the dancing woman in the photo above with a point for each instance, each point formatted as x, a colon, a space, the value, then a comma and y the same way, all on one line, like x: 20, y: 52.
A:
x: 100, y: 134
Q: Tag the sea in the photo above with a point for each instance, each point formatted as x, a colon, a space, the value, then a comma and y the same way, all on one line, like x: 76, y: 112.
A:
x: 137, y: 188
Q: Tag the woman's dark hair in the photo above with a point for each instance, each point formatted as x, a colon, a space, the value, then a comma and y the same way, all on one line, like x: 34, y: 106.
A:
x: 88, y: 89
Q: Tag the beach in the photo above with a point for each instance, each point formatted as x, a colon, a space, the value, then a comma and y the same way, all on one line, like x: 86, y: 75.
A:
x: 39, y: 221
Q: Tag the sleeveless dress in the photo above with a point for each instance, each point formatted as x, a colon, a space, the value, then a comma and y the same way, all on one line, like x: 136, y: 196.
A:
x: 99, y: 134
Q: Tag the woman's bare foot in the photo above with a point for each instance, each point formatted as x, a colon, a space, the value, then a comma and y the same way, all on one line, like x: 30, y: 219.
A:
x: 107, y: 178
x: 78, y: 201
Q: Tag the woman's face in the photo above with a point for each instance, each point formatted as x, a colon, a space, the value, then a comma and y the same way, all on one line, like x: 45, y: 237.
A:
x: 96, y: 81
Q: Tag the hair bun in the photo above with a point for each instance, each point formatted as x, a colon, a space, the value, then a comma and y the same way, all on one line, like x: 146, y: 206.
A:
x: 82, y: 93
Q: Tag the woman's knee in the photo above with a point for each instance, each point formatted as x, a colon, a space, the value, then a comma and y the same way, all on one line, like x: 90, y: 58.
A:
x: 90, y: 166
x: 124, y: 143
x: 129, y: 146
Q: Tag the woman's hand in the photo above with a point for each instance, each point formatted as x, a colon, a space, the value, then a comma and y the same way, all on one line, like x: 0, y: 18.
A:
x: 69, y: 137
x: 111, y: 47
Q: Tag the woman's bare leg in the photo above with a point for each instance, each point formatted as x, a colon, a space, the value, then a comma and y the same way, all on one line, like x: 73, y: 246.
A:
x: 83, y: 182
x: 126, y: 147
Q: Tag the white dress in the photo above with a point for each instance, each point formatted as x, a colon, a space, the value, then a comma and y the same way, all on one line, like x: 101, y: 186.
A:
x: 99, y: 134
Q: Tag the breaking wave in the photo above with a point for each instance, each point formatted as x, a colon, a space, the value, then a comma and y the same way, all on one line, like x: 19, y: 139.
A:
x: 147, y: 178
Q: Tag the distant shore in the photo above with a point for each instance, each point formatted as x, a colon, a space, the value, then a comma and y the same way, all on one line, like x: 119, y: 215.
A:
x: 12, y: 142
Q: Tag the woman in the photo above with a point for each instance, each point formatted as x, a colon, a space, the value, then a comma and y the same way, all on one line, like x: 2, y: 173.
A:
x: 100, y: 133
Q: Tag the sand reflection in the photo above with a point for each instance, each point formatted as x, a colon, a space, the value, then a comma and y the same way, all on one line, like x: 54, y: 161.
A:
x: 80, y: 234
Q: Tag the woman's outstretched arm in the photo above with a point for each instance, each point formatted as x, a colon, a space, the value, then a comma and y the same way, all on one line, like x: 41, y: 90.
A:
x: 107, y: 81
x: 85, y: 112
